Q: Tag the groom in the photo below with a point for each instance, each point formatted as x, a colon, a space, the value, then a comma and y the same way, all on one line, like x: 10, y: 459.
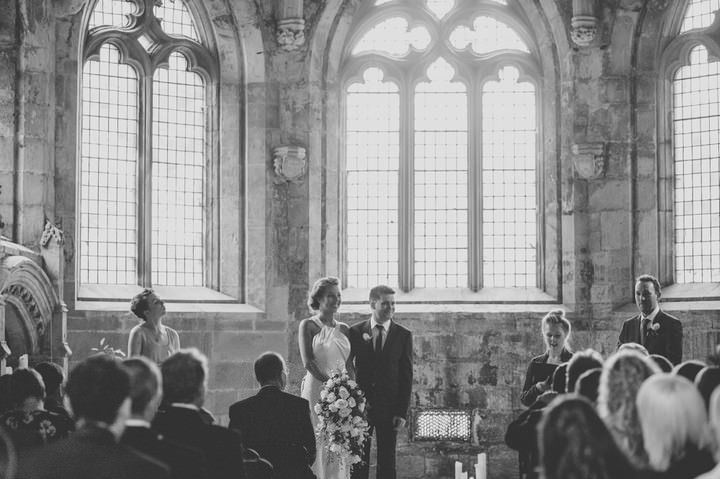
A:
x: 382, y: 352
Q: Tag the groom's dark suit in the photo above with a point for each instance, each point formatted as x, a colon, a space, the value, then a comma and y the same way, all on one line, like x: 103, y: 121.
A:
x: 666, y: 341
x: 386, y: 377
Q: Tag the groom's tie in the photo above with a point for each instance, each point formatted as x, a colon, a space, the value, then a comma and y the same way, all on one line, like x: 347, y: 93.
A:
x: 378, y: 339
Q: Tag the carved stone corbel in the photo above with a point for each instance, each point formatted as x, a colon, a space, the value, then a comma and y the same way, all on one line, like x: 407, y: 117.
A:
x: 590, y: 160
x: 290, y: 25
x: 584, y: 22
x: 289, y: 163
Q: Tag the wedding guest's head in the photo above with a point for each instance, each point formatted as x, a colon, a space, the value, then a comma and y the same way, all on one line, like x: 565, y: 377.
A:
x: 714, y: 416
x: 634, y: 347
x: 147, y: 306
x: 588, y: 383
x: 647, y: 294
x: 575, y: 443
x: 53, y: 377
x: 580, y: 362
x: 145, y: 387
x: 325, y: 295
x: 184, y: 377
x: 27, y: 389
x: 663, y: 363
x: 706, y: 381
x: 382, y: 303
x: 556, y: 331
x: 673, y: 418
x: 98, y: 390
x: 270, y: 370
x: 622, y: 375
x: 689, y: 369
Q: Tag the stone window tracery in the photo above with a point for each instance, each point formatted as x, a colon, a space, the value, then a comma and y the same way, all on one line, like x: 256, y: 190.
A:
x: 441, y: 147
x: 145, y: 98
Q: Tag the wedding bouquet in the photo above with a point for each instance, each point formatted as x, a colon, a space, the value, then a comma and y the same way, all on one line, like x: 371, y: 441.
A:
x: 342, y: 418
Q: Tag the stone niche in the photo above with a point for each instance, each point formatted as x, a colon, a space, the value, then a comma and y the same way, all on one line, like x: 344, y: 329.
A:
x: 32, y: 315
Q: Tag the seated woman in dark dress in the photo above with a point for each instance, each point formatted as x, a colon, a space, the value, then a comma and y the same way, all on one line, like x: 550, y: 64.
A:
x: 674, y: 426
x: 29, y: 424
x: 556, y: 333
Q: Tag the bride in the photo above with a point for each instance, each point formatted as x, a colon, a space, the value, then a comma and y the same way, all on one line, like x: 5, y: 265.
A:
x: 324, y: 347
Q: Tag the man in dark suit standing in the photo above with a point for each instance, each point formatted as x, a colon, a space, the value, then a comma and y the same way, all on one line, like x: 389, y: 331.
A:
x: 659, y: 332
x: 382, y: 352
x: 276, y: 424
x: 184, y: 376
x: 146, y: 393
x: 98, y: 390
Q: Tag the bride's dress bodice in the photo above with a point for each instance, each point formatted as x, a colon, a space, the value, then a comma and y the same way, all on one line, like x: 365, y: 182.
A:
x: 330, y: 347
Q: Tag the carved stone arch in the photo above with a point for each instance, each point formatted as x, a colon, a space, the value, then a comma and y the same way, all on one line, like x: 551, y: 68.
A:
x: 30, y: 303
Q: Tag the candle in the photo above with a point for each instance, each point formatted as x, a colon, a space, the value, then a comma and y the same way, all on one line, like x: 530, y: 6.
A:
x: 23, y: 362
x: 8, y: 370
x: 463, y: 475
x: 481, y: 466
x: 458, y: 469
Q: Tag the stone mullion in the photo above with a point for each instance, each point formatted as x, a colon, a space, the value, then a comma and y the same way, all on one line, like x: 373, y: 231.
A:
x: 475, y: 200
x: 406, y: 247
x: 144, y: 179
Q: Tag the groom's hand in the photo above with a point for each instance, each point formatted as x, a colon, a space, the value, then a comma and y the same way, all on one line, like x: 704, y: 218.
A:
x: 398, y: 423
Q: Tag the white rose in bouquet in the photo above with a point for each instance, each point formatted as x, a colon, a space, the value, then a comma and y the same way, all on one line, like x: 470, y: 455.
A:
x: 352, y: 383
x: 318, y: 409
x: 323, y: 394
x: 356, y: 420
x: 351, y: 402
x: 335, y: 447
x: 341, y: 403
x: 345, y: 412
x: 361, y: 406
x: 331, y: 428
x: 333, y: 407
x: 331, y: 397
x: 345, y: 428
x: 343, y: 393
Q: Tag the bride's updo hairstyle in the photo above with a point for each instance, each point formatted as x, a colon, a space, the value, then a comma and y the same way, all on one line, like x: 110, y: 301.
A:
x: 319, y: 290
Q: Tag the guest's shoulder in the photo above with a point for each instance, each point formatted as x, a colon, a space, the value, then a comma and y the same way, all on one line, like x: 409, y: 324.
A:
x: 357, y: 327
x: 401, y: 327
x: 295, y: 400
x: 668, y: 317
x: 540, y: 358
x: 631, y: 319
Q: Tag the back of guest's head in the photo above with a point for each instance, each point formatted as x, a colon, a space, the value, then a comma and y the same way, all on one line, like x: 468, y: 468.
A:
x: 580, y: 362
x: 184, y: 374
x: 139, y: 304
x: 588, y: 383
x: 97, y: 387
x: 689, y: 369
x: 25, y: 384
x: 145, y: 383
x: 320, y: 289
x: 622, y: 375
x: 380, y: 290
x: 673, y: 418
x: 634, y: 347
x: 269, y: 366
x: 714, y: 417
x: 663, y: 363
x: 558, y: 383
x: 575, y: 443
x: 52, y: 375
x: 706, y: 381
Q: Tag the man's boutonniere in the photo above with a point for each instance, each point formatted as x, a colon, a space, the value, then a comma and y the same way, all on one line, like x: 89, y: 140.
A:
x: 366, y: 337
x: 653, y: 328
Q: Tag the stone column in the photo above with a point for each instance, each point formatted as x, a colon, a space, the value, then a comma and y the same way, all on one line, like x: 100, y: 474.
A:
x: 290, y: 25
x: 584, y: 22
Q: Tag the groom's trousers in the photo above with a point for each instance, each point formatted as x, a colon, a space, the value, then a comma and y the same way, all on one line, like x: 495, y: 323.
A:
x: 386, y: 444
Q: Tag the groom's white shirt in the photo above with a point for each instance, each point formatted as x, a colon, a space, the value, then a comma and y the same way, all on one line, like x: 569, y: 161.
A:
x: 374, y: 330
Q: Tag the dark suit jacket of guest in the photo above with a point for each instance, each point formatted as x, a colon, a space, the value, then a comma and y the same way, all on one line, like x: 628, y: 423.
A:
x: 90, y: 453
x: 666, y: 341
x: 385, y: 377
x: 273, y: 421
x: 185, y: 462
x: 221, y: 447
x: 522, y: 435
x: 538, y: 371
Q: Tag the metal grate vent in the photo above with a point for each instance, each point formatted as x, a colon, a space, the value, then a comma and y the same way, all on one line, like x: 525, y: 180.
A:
x: 443, y: 425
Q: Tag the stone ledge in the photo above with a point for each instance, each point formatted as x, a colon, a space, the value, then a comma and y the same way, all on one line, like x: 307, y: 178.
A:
x: 454, y: 297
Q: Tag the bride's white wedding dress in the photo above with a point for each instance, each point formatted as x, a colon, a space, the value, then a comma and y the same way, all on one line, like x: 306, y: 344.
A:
x: 331, y: 349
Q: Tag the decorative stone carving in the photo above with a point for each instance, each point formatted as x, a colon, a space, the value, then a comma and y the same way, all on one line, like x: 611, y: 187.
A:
x: 584, y: 22
x: 289, y: 162
x: 51, y: 232
x: 291, y: 33
x: 590, y: 160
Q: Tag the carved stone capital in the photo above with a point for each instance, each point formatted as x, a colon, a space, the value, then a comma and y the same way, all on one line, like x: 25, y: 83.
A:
x: 289, y: 162
x: 583, y: 29
x: 51, y: 232
x: 291, y: 33
x: 590, y: 160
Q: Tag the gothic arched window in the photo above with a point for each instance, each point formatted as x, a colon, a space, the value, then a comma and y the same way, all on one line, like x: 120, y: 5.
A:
x: 693, y: 70
x: 441, y: 146
x: 146, y: 98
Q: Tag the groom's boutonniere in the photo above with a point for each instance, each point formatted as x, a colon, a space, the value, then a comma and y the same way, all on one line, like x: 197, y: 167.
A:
x: 653, y: 328
x: 366, y: 337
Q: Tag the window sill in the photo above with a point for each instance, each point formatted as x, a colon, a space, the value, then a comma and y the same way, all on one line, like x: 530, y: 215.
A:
x: 111, y: 297
x: 455, y: 299
x: 691, y: 292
